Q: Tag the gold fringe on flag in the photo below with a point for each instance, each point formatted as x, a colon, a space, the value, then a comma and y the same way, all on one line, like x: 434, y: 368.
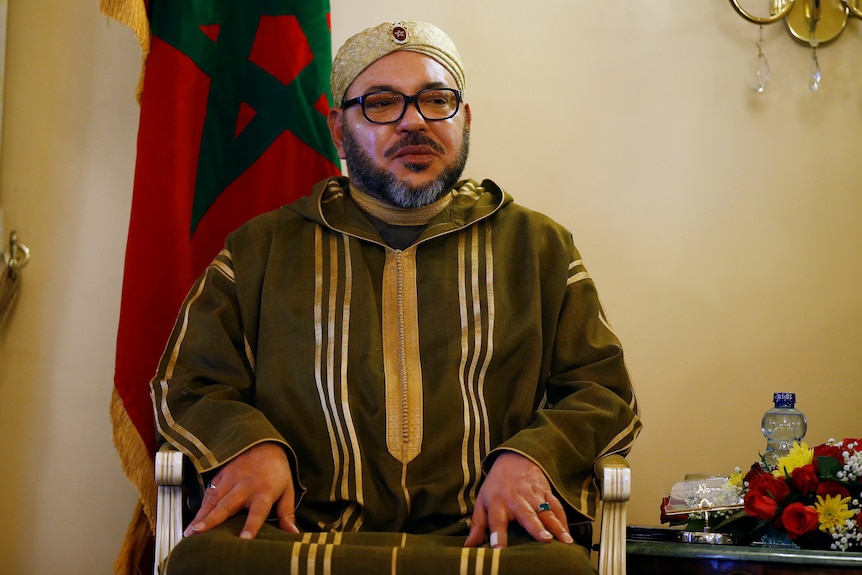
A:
x: 140, y: 469
x: 132, y: 13
x: 134, y: 457
x: 138, y: 551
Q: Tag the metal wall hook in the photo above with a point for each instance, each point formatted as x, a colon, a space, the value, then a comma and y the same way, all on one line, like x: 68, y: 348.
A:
x: 19, y: 254
x: 10, y: 278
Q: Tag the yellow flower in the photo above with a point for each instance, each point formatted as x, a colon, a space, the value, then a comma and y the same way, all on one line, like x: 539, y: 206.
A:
x: 832, y: 512
x: 735, y: 479
x: 798, y: 456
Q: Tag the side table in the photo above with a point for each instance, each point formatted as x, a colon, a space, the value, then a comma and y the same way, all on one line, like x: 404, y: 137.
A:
x: 672, y: 557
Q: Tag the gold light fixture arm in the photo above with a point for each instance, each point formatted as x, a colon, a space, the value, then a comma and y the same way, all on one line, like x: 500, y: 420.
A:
x: 812, y: 16
x: 811, y: 22
x: 782, y: 11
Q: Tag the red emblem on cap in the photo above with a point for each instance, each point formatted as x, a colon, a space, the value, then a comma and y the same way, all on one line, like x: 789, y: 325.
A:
x: 399, y: 33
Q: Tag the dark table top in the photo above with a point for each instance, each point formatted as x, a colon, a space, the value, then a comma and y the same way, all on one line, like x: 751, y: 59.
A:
x: 753, y: 553
x: 654, y: 543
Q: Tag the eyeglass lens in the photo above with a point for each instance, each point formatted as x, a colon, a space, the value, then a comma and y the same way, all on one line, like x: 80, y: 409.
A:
x: 434, y: 104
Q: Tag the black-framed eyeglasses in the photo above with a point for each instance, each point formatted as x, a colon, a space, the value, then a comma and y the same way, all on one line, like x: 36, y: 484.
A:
x: 388, y: 107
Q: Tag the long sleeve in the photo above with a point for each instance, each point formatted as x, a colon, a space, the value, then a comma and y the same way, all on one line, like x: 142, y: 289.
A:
x: 203, y: 392
x: 590, y: 408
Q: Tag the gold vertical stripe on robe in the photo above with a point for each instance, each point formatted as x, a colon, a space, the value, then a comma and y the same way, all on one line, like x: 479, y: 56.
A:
x: 476, y: 300
x: 320, y: 359
x: 401, y: 359
x: 332, y: 385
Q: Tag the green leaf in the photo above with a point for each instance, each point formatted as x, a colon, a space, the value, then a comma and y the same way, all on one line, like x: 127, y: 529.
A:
x: 736, y: 516
x: 829, y: 467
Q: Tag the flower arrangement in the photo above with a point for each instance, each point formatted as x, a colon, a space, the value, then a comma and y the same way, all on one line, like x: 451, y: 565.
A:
x: 813, y: 497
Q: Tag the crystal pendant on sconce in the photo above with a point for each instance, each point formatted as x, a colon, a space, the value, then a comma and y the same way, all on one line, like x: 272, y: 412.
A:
x: 759, y: 78
x: 759, y: 74
x: 814, y: 79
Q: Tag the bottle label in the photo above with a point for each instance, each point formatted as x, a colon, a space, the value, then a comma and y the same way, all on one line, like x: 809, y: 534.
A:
x: 784, y: 399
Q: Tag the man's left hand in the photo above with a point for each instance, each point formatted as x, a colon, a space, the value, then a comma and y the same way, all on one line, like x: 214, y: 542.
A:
x: 513, y: 491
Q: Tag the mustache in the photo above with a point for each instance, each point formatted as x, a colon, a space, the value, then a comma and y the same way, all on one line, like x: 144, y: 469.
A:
x: 414, y: 140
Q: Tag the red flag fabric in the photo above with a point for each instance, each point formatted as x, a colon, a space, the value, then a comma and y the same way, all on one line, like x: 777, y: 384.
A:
x: 234, y: 101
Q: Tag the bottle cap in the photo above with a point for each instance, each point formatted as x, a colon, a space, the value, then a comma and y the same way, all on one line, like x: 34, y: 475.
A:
x: 784, y: 399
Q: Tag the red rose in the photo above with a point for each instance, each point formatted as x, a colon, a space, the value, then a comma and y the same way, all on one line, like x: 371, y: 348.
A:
x: 832, y: 488
x: 825, y: 450
x: 761, y: 507
x: 798, y: 519
x: 804, y: 479
x: 753, y: 473
x: 770, y: 486
x: 765, y: 494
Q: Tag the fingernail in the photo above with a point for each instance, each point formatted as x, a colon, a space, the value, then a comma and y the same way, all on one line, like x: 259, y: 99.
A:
x: 545, y: 534
x: 494, y: 539
x: 567, y: 538
x: 245, y: 535
x: 196, y: 528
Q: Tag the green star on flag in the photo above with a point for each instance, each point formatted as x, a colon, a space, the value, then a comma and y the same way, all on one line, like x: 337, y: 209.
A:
x: 264, y: 62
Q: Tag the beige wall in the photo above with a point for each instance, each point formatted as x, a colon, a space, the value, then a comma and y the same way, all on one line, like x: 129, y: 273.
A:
x: 721, y: 227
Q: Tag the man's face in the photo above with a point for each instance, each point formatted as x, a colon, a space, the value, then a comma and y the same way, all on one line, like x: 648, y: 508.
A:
x: 412, y: 162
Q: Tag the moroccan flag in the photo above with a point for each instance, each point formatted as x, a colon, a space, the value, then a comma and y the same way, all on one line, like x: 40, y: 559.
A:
x: 234, y: 101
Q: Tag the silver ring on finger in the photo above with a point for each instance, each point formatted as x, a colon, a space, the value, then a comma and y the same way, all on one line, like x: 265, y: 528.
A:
x: 543, y: 506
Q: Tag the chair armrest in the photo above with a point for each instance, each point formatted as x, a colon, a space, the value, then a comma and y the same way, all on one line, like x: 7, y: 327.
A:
x: 615, y: 478
x: 169, y: 505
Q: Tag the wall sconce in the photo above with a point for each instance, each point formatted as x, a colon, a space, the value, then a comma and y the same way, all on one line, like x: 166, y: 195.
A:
x: 811, y: 22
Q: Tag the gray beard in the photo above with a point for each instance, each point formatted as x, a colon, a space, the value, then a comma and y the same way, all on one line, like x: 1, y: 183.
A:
x: 380, y: 184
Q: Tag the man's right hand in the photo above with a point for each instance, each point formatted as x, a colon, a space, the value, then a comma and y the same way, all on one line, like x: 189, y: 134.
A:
x: 255, y: 480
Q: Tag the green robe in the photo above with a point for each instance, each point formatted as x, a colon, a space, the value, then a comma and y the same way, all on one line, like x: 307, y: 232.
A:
x: 394, y: 377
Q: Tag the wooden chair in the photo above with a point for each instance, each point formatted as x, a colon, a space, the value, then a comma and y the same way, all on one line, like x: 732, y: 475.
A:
x: 612, y: 473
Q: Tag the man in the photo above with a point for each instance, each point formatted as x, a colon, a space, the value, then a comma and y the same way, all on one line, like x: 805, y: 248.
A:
x: 404, y: 372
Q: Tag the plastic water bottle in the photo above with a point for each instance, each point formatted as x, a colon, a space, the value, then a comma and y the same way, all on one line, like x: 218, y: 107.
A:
x: 781, y: 426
